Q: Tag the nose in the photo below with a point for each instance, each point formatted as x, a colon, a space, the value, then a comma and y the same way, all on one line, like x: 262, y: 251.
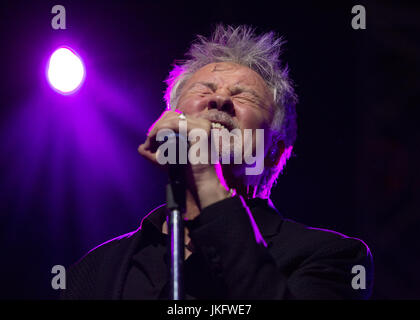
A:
x: 221, y: 103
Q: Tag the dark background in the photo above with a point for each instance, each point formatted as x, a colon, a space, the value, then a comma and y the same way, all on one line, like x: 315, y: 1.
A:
x: 70, y: 177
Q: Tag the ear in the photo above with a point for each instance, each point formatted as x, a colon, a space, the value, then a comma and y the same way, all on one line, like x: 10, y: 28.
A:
x: 274, y: 154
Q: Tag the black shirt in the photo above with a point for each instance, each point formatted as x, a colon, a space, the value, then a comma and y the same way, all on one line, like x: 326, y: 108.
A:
x: 241, y: 251
x: 148, y: 274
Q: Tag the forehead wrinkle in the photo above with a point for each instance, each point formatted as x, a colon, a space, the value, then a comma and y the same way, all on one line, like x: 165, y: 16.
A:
x: 233, y: 89
x: 245, y: 81
x: 224, y: 66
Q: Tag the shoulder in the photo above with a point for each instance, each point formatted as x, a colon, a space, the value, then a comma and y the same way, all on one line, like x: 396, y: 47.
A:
x: 92, y: 275
x: 306, y: 236
x: 83, y: 277
x: 293, y: 239
x: 323, y: 260
x: 310, y: 238
x: 104, y: 247
x: 299, y: 245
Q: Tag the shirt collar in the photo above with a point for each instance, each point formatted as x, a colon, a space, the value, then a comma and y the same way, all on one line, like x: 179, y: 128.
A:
x: 154, y: 219
x: 267, y: 217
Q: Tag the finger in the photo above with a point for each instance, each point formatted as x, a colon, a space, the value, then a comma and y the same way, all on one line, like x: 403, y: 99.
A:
x: 142, y: 149
x: 151, y: 156
x: 170, y: 122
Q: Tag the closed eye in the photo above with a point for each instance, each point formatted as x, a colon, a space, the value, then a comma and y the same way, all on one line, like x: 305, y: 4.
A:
x: 203, y: 90
x: 244, y: 93
x: 245, y: 96
x: 203, y: 87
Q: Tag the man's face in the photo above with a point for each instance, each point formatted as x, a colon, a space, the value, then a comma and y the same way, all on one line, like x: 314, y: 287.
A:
x: 230, y: 94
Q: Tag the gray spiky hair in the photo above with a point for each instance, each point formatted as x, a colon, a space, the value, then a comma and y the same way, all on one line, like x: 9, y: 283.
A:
x: 260, y: 53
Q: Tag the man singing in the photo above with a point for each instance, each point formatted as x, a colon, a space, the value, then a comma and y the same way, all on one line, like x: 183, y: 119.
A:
x: 237, y: 245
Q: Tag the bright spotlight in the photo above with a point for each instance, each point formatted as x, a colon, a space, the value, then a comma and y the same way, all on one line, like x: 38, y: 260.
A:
x: 65, y: 71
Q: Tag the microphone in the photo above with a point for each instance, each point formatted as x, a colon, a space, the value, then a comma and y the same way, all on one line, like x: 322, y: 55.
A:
x: 176, y: 206
x: 177, y: 171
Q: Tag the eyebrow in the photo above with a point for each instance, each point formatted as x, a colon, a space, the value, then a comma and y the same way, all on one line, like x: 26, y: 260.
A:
x: 235, y: 90
x: 212, y: 86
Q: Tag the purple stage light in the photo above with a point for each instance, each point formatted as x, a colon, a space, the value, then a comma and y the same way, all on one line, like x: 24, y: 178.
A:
x: 66, y: 71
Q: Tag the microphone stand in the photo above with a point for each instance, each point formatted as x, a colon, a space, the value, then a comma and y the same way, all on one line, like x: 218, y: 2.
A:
x: 175, y: 202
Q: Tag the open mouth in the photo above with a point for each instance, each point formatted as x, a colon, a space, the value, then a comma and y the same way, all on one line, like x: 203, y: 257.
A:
x: 220, y: 120
x: 217, y: 125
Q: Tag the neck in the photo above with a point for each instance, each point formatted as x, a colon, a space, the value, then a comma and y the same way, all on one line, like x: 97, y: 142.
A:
x: 214, y: 191
x: 192, y: 206
x: 236, y: 178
